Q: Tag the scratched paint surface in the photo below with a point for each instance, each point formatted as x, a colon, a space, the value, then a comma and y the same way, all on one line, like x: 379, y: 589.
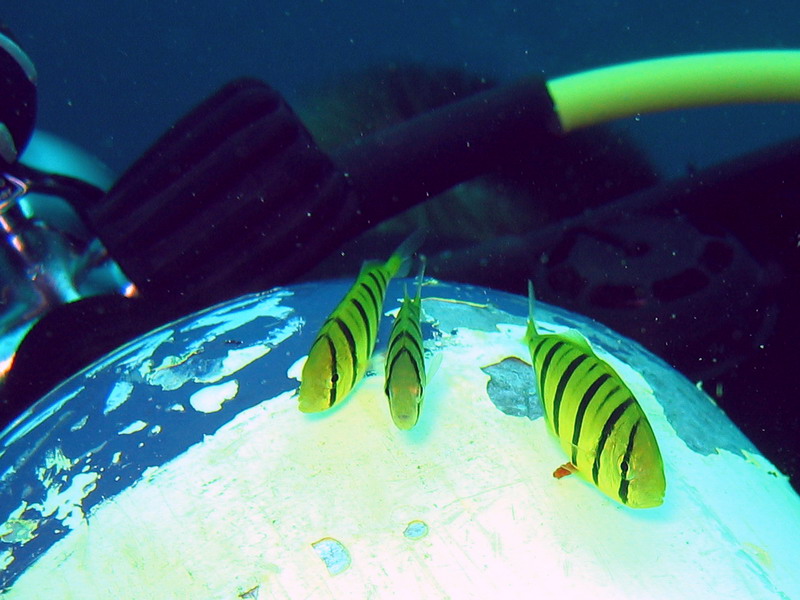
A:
x: 180, y: 467
x: 109, y: 425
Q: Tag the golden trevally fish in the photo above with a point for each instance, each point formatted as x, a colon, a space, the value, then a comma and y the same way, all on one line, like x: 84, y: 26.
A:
x: 596, y: 417
x: 342, y: 349
x: 405, y: 361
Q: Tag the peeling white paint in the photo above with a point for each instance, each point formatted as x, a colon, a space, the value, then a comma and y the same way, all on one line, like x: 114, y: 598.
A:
x: 234, y: 361
x: 237, y: 313
x: 66, y: 504
x: 133, y: 354
x: 137, y: 425
x: 119, y: 395
x: 176, y: 370
x: 79, y: 424
x: 212, y: 397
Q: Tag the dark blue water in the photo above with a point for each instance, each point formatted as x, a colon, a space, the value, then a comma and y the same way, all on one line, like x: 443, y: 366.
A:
x: 113, y: 76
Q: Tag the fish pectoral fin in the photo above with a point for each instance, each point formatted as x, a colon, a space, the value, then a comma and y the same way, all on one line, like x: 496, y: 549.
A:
x: 581, y: 455
x: 564, y: 470
x: 433, y: 365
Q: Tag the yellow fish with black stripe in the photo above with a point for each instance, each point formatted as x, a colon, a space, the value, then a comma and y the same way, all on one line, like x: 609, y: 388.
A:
x: 341, y: 351
x: 405, y: 361
x: 596, y: 418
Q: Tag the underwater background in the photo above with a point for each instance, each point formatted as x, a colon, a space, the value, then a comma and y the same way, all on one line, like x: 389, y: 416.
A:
x: 113, y: 77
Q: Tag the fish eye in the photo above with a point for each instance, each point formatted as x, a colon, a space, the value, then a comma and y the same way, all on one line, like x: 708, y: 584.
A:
x: 334, y: 377
x: 624, y: 466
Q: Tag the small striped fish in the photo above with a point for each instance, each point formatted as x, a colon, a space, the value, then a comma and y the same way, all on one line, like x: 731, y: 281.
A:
x: 596, y: 418
x: 405, y: 362
x: 342, y: 349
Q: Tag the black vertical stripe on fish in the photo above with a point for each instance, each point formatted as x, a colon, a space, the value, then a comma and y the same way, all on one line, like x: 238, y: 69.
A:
x: 587, y: 398
x: 546, y: 365
x: 364, y: 317
x: 609, y: 394
x: 334, y: 371
x: 384, y: 281
x: 563, y: 382
x: 414, y: 362
x: 625, y: 481
x: 351, y: 343
x: 403, y: 336
x: 610, y: 423
x: 374, y: 300
x: 414, y: 340
x: 377, y: 277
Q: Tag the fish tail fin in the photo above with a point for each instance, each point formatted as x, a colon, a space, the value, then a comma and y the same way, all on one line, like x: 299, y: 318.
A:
x: 400, y: 260
x: 531, y: 332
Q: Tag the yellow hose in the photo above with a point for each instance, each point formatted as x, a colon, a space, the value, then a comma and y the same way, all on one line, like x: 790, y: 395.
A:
x: 688, y: 81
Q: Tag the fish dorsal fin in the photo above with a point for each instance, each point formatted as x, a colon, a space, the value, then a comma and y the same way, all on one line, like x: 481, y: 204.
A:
x: 420, y: 277
x: 369, y: 264
x: 577, y: 338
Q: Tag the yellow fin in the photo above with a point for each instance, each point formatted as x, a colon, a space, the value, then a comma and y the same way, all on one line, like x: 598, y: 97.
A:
x: 433, y: 365
x: 577, y: 338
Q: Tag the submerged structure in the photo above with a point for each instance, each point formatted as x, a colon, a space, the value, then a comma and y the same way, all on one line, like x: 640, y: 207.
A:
x: 180, y: 466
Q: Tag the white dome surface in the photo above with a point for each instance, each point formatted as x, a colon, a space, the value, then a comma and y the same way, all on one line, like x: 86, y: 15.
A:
x: 180, y: 467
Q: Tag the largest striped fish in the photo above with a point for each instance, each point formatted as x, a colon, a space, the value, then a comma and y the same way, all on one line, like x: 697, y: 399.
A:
x: 596, y: 417
x: 339, y: 356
